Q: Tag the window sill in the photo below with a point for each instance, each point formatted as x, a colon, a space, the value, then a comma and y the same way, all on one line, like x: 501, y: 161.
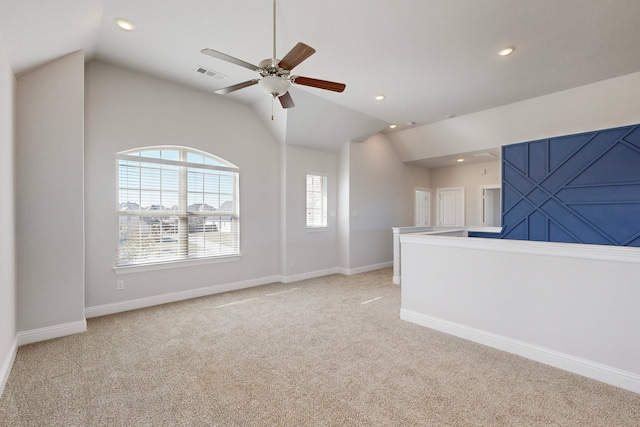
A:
x: 139, y: 268
x: 316, y: 229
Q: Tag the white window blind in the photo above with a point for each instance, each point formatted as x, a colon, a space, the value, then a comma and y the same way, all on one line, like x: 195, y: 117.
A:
x: 176, y: 203
x: 316, y: 201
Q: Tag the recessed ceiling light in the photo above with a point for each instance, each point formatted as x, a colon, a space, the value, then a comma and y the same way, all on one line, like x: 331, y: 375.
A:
x: 460, y: 160
x: 379, y: 97
x: 506, y: 51
x: 125, y: 25
x: 393, y: 126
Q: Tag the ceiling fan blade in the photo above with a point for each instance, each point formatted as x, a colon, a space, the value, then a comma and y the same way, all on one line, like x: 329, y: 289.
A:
x: 225, y: 57
x: 299, y: 53
x: 320, y: 84
x: 235, y: 87
x: 286, y: 101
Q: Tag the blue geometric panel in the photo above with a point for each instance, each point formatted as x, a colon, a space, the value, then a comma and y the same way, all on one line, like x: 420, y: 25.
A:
x: 538, y: 196
x: 581, y: 188
x: 597, y: 145
x: 538, y: 226
x: 519, y: 232
x: 626, y: 159
x: 557, y: 234
x: 517, y: 157
x: 510, y: 197
x: 635, y: 243
x: 573, y: 224
x: 519, y: 213
x: 625, y: 225
x: 537, y: 161
x: 601, y: 193
x: 517, y: 179
x: 634, y: 138
x: 563, y: 147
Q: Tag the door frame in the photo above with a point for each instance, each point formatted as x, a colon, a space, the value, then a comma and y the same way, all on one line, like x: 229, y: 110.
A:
x: 481, y: 212
x: 415, y: 206
x: 460, y: 190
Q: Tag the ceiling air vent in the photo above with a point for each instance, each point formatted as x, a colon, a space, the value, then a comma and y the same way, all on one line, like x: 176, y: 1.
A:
x: 207, y: 72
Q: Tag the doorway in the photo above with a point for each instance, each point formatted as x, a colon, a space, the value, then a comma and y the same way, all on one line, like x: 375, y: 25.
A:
x: 422, y: 204
x: 450, y: 206
x: 491, y: 202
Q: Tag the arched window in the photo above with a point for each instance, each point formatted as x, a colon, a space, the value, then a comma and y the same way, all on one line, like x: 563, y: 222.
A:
x: 176, y: 203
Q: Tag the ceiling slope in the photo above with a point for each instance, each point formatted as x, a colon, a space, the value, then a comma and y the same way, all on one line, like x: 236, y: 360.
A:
x: 430, y: 58
x: 34, y: 32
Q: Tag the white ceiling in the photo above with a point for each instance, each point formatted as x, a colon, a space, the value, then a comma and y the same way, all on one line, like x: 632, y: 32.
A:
x: 430, y: 58
x: 471, y: 157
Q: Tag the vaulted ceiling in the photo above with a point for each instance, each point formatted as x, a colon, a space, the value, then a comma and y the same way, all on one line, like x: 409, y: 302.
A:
x: 430, y: 58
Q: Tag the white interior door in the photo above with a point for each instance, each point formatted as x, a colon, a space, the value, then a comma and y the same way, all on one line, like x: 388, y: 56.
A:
x: 491, y: 207
x: 422, y: 208
x: 488, y: 208
x: 450, y: 207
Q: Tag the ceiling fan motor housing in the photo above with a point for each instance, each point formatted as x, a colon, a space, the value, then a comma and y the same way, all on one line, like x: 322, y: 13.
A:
x: 271, y: 67
x: 274, y: 79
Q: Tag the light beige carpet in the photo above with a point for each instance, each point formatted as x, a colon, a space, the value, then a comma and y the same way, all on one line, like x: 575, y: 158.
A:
x: 323, y: 352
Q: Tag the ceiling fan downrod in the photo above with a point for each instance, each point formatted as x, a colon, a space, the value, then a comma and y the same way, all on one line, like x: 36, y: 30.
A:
x: 274, y: 31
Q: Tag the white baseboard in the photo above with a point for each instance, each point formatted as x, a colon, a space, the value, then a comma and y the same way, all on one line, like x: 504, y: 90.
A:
x: 372, y: 267
x: 310, y: 275
x: 606, y: 374
x: 365, y: 269
x: 119, y: 307
x: 396, y: 280
x: 5, y: 370
x: 50, y: 332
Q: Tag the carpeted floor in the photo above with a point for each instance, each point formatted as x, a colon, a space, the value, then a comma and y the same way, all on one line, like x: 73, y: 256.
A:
x: 322, y: 352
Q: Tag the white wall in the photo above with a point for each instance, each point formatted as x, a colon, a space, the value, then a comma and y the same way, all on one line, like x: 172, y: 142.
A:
x: 127, y: 110
x: 8, y: 328
x: 471, y: 177
x: 344, y: 210
x: 381, y: 196
x: 49, y: 205
x: 309, y: 250
x: 567, y: 305
x: 609, y: 103
x: 273, y: 117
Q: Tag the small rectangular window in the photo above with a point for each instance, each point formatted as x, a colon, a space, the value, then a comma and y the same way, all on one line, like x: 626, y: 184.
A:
x: 316, y: 201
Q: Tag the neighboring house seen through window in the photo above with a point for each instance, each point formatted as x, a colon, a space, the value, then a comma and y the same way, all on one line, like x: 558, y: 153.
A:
x: 176, y: 203
x: 316, y: 201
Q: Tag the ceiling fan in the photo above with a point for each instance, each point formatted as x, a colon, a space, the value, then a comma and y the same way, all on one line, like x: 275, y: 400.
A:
x: 276, y: 73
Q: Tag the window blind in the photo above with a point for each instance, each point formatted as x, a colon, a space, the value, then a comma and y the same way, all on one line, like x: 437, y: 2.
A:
x: 176, y: 203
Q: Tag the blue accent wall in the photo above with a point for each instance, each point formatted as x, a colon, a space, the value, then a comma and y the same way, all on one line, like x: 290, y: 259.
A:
x: 582, y: 188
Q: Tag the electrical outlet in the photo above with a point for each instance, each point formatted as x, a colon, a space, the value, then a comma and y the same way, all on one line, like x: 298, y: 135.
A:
x: 292, y: 263
x: 120, y: 285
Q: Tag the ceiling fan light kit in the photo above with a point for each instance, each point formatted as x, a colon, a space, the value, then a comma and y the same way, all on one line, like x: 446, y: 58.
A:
x: 275, y: 73
x: 274, y: 85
